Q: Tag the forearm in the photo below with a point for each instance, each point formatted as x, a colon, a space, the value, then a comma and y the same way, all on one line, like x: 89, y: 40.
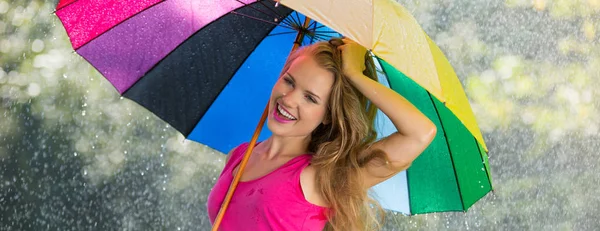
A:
x: 407, y: 119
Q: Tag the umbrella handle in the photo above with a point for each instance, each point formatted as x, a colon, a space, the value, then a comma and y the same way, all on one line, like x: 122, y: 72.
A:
x: 237, y: 177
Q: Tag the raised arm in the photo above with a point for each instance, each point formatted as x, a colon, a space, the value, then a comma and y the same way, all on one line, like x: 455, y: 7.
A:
x: 414, y: 130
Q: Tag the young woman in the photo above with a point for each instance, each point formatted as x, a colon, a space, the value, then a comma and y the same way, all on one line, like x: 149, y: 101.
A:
x: 315, y: 170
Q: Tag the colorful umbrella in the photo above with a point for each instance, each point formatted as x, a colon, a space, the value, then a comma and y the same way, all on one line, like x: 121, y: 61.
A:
x: 206, y: 67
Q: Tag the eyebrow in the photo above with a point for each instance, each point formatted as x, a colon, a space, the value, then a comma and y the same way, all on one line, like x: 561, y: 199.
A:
x: 307, y: 91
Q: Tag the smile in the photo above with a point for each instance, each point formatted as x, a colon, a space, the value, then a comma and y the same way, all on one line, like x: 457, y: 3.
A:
x: 283, y: 113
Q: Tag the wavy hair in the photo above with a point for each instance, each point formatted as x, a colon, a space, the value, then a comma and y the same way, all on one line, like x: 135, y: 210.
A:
x: 340, y: 146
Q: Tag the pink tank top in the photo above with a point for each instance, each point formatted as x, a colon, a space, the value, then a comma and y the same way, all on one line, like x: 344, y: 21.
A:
x: 272, y: 202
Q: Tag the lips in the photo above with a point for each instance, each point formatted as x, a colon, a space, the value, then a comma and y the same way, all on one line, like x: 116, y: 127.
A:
x: 285, y: 113
x: 281, y: 115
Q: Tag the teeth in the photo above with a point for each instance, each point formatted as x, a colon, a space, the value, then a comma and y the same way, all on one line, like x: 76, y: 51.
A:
x: 284, y: 113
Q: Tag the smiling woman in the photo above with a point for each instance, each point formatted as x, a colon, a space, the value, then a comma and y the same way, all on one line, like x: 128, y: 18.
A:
x: 318, y: 112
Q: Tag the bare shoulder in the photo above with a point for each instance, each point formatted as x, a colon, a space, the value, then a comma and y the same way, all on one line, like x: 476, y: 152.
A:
x: 309, y: 186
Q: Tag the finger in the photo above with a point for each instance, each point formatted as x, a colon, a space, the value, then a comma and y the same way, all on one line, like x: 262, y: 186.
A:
x: 348, y: 40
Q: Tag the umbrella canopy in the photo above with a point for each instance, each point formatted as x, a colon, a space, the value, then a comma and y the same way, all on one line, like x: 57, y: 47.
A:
x: 207, y: 68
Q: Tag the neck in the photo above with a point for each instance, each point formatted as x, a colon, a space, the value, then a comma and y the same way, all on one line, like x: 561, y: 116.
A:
x: 284, y: 147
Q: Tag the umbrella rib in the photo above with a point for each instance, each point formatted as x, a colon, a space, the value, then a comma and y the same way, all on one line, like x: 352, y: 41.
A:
x: 487, y: 173
x: 262, y: 20
x: 293, y: 20
x: 261, y: 11
x: 121, y: 22
x: 319, y: 27
x: 297, y: 17
x: 271, y: 9
x: 312, y: 24
x: 282, y: 33
x: 289, y: 21
x: 449, y: 151
x: 279, y: 16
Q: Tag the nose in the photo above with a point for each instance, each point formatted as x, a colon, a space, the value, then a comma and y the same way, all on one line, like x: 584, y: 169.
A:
x: 289, y: 99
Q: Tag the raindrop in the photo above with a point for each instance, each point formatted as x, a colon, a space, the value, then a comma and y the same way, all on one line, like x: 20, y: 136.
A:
x: 4, y: 6
x: 84, y: 172
x: 83, y: 113
x: 37, y: 46
x: 142, y: 173
x: 33, y: 89
x: 75, y: 154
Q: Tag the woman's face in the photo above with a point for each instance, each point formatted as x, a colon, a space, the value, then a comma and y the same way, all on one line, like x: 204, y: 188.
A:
x: 299, y: 98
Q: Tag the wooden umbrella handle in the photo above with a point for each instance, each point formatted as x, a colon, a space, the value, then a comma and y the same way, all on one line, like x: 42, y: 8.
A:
x: 237, y: 177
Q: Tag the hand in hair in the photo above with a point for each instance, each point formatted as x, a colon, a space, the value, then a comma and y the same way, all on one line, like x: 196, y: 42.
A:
x: 353, y: 57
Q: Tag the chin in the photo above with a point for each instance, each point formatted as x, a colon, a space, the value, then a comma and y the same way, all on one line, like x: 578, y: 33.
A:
x: 292, y: 131
x: 274, y: 127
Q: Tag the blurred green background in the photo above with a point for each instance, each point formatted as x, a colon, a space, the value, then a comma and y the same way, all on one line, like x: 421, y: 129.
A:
x: 74, y: 155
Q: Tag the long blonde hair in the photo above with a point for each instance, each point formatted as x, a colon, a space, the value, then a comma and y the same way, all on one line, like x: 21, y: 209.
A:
x: 339, y: 146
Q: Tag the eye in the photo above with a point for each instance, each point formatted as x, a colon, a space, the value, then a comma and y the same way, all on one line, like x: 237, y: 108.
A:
x: 310, y: 98
x: 288, y: 81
